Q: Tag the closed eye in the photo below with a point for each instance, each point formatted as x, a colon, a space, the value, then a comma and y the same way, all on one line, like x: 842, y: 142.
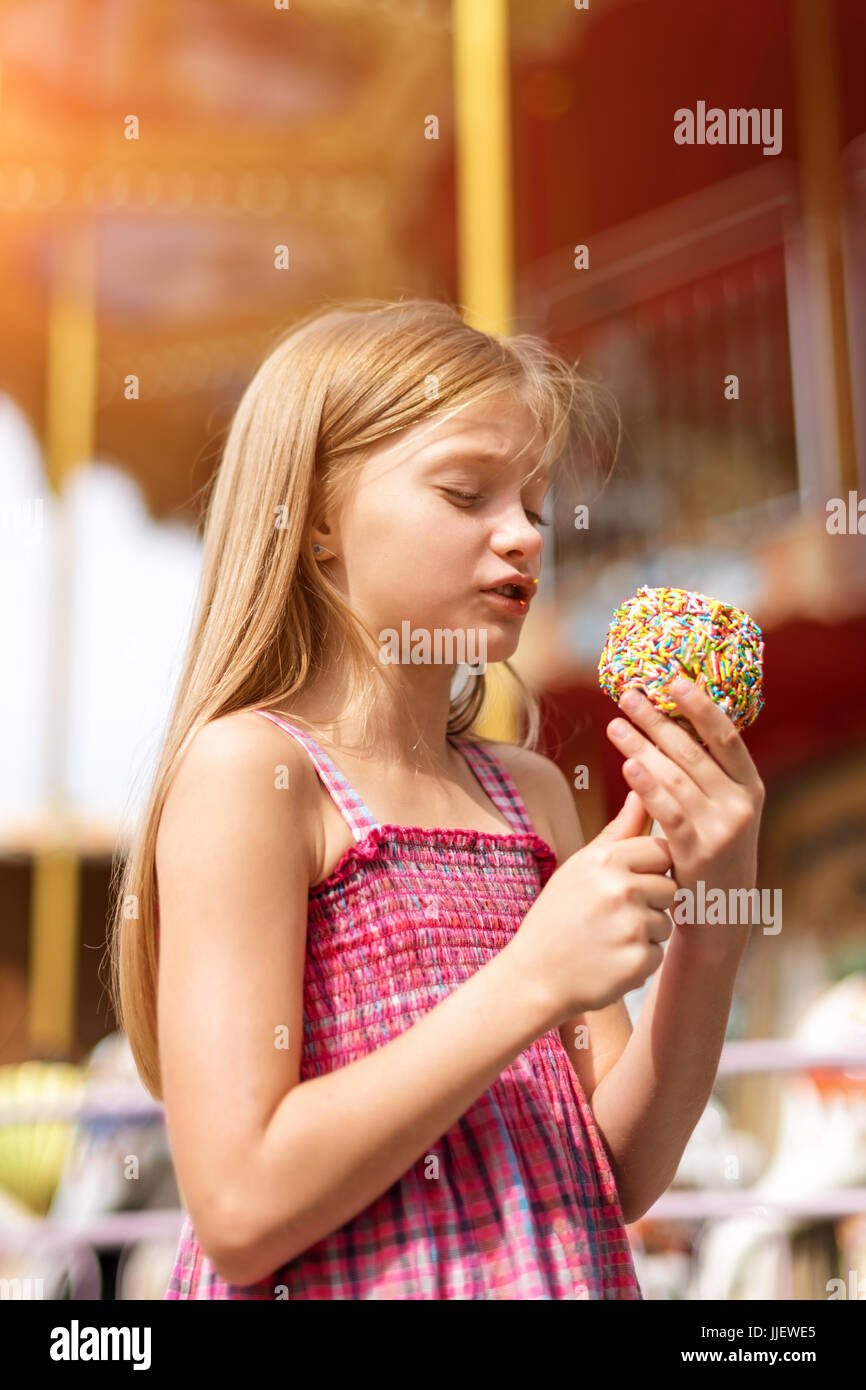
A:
x: 467, y: 496
x: 476, y: 497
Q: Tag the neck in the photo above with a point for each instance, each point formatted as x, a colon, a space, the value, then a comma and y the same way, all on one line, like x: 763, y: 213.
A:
x: 407, y: 725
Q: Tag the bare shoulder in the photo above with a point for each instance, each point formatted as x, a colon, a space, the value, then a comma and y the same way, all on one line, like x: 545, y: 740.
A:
x: 241, y: 743
x: 530, y: 769
x: 242, y: 760
x: 546, y: 792
x: 233, y: 872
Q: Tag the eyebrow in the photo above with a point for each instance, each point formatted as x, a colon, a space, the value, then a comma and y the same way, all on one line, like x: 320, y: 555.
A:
x: 476, y: 454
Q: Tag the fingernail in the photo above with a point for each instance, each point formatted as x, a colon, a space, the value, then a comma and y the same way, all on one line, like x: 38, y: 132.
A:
x: 630, y: 701
x: 619, y: 728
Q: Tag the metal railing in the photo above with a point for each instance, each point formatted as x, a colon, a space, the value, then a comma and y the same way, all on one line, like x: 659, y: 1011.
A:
x: 111, y: 1230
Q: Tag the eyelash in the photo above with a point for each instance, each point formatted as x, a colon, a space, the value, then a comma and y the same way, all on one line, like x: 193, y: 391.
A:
x: 475, y: 497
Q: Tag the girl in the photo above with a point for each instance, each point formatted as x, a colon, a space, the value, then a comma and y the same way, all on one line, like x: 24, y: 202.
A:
x: 388, y: 1030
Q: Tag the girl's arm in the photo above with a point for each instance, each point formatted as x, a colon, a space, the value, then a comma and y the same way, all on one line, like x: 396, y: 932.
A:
x: 648, y: 1104
x: 647, y: 1086
x: 708, y: 802
x: 268, y: 1165
x: 596, y: 1039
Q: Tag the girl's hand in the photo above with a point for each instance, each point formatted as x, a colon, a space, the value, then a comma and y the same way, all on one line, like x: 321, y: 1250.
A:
x: 595, y: 930
x: 708, y: 801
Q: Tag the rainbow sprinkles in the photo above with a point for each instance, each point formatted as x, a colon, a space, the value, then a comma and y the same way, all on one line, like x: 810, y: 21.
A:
x: 663, y: 633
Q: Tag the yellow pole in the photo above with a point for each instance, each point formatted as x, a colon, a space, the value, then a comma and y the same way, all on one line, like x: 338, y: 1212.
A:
x: 69, y: 413
x: 484, y: 224
x: 483, y: 159
x: 818, y: 129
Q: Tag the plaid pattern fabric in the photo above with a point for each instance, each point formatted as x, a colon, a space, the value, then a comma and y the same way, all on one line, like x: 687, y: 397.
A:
x: 515, y: 1200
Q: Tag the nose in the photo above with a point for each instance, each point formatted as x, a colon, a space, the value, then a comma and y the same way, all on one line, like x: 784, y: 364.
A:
x: 516, y: 535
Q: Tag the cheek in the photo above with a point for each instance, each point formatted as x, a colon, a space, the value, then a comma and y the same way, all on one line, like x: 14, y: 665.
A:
x: 408, y: 554
x: 390, y: 524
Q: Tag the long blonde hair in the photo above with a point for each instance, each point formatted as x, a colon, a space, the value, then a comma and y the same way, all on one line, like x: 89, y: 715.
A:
x: 336, y: 383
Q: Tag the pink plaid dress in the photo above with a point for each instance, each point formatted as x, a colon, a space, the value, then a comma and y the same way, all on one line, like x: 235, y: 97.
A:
x: 515, y: 1200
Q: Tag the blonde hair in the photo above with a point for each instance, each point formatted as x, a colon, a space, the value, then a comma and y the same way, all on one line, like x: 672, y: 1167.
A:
x: 339, y: 381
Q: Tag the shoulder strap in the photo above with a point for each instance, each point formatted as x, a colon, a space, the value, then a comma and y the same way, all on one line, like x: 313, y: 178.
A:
x: 360, y: 819
x: 497, y: 782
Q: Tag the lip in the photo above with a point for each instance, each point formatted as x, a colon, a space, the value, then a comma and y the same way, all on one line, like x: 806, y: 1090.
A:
x: 509, y: 605
x: 524, y: 582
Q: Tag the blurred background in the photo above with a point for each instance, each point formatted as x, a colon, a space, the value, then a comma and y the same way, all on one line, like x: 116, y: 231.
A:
x: 177, y: 185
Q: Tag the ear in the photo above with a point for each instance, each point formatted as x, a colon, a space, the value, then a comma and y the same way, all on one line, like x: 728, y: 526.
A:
x: 321, y: 534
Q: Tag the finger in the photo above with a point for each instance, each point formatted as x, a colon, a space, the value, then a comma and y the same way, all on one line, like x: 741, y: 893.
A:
x: 666, y: 773
x: 670, y: 737
x: 626, y: 823
x: 659, y: 927
x: 658, y: 890
x: 644, y: 854
x: 716, y: 729
x: 674, y: 819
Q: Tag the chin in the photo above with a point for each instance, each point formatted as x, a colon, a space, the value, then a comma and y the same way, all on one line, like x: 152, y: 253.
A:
x: 495, y: 643
x: 501, y: 645
x: 469, y: 643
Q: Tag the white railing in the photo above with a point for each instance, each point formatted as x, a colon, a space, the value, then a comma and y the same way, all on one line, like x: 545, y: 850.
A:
x: 110, y: 1230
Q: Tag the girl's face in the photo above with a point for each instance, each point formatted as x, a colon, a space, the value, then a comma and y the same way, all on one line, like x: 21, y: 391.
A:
x: 439, y: 515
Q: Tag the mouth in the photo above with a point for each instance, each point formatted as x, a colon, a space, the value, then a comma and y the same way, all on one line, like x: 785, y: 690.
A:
x: 514, y: 597
x: 519, y: 586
